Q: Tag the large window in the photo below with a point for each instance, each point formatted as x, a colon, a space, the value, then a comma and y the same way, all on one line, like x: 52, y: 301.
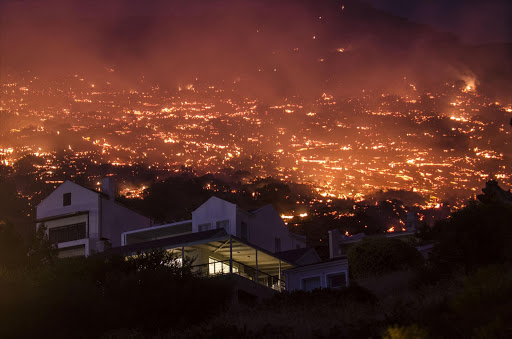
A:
x: 66, y: 199
x: 67, y: 233
x: 219, y: 267
x: 310, y: 284
x: 337, y: 280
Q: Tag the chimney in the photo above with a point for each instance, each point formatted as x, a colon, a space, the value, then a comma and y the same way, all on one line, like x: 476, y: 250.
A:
x: 412, y: 221
x: 108, y: 186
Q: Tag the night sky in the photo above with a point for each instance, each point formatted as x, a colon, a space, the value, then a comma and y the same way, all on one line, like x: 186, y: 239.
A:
x: 474, y: 21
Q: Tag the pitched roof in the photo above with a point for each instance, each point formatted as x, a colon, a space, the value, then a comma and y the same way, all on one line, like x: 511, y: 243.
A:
x: 293, y: 256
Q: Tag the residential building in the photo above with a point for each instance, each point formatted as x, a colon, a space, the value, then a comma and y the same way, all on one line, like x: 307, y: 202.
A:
x: 81, y: 221
x: 262, y: 227
x: 255, y: 246
x: 328, y: 274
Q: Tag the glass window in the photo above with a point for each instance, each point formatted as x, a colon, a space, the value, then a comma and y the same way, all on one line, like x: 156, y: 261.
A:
x: 222, y: 224
x: 219, y: 267
x: 337, y: 280
x: 310, y: 284
x: 204, y: 227
x: 67, y: 233
x: 66, y: 199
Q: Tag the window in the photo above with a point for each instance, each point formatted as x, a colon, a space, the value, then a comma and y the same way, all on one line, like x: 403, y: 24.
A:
x: 277, y: 244
x: 67, y: 233
x: 310, y: 284
x: 243, y: 230
x: 204, y: 227
x: 219, y: 267
x: 66, y: 199
x: 337, y: 280
x: 222, y: 224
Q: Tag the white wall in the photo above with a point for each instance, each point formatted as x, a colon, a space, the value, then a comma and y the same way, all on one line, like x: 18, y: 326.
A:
x: 82, y: 199
x: 214, y: 210
x: 263, y: 225
x: 106, y: 218
x: 266, y: 225
x: 295, y: 276
x: 118, y: 219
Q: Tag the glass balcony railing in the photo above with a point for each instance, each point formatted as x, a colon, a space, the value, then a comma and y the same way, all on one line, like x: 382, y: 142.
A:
x: 221, y: 267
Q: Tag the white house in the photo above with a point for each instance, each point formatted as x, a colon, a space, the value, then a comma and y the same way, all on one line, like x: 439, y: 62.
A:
x: 253, y: 245
x: 82, y: 221
x: 262, y: 227
x: 327, y: 274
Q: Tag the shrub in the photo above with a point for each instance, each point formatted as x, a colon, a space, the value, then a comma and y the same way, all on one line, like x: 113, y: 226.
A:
x: 375, y: 256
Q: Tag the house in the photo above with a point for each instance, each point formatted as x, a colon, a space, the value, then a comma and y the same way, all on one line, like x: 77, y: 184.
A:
x: 262, y: 227
x: 339, y: 244
x: 332, y: 273
x: 255, y: 249
x: 81, y: 221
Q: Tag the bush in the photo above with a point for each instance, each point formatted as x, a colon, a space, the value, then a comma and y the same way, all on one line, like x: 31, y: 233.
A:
x: 85, y: 297
x: 475, y: 236
x: 375, y: 256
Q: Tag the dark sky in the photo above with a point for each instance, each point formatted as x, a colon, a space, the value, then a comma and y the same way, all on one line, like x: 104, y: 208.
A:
x: 474, y: 21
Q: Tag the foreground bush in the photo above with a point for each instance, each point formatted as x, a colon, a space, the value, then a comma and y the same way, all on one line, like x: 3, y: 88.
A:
x: 346, y: 313
x: 85, y: 297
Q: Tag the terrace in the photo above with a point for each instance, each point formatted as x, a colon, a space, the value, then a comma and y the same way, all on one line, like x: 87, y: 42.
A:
x: 215, y: 253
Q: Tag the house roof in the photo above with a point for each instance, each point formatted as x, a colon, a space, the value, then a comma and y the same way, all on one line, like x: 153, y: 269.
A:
x: 171, y: 241
x: 294, y: 255
x: 99, y: 193
x: 67, y: 215
x: 326, y: 263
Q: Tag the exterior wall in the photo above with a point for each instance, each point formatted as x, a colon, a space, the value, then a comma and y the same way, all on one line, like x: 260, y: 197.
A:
x: 105, y: 219
x: 266, y: 226
x: 263, y: 225
x: 82, y: 199
x: 294, y: 277
x: 214, y: 210
x: 243, y: 217
x: 118, y: 219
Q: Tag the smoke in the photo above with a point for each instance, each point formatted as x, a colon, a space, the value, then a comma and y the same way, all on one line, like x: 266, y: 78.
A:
x: 269, y: 48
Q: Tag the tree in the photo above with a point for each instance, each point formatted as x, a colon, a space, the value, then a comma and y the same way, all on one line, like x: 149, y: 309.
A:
x: 475, y: 236
x: 374, y: 256
x: 41, y: 251
x: 13, y: 250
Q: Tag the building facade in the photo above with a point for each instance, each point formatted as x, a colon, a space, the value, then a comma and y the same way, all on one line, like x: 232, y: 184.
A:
x: 81, y: 221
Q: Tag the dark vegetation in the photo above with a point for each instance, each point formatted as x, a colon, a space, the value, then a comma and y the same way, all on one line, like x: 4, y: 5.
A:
x: 374, y: 256
x: 90, y: 297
